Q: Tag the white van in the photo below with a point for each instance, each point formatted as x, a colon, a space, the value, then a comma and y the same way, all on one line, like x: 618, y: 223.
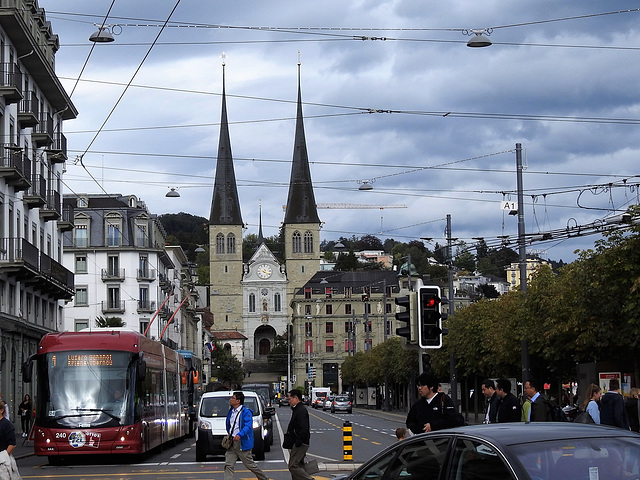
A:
x: 212, y: 416
x: 319, y: 395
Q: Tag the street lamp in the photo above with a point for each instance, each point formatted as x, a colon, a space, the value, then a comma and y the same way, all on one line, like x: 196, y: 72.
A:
x: 479, y: 38
x: 103, y: 34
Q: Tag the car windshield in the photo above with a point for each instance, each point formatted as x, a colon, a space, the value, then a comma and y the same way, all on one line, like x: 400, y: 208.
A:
x: 582, y: 459
x: 342, y: 399
x: 219, y: 406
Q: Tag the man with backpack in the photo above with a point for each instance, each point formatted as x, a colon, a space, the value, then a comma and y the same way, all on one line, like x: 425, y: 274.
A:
x: 433, y: 410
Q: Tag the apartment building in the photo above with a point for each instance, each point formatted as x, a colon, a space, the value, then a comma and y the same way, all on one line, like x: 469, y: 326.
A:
x: 33, y: 106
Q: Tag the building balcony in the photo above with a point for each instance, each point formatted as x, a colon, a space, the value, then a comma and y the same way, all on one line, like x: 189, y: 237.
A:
x: 57, y: 151
x: 15, y: 167
x: 112, y: 306
x: 28, y: 110
x: 112, y: 274
x: 36, y: 195
x: 10, y: 83
x: 145, y: 274
x: 42, y: 134
x: 65, y: 224
x: 145, y: 306
x: 51, y: 209
x: 22, y: 261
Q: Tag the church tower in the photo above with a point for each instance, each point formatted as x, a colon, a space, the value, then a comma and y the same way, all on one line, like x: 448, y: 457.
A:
x: 225, y: 235
x: 301, y: 221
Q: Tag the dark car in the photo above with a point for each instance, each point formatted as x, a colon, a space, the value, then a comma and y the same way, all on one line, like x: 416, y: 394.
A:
x: 514, y: 451
x: 263, y: 389
x: 283, y: 401
x: 341, y: 403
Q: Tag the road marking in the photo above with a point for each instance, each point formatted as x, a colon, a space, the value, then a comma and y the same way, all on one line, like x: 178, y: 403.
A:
x: 175, y: 456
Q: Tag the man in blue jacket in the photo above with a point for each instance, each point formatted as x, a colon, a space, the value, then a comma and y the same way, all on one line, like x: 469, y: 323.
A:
x: 240, y: 425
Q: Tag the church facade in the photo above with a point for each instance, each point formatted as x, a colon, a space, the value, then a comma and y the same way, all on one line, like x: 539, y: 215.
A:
x: 253, y: 298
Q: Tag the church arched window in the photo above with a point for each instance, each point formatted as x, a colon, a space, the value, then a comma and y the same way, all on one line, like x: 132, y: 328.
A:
x: 220, y: 243
x: 308, y: 242
x: 252, y: 302
x: 231, y: 243
x: 297, y: 242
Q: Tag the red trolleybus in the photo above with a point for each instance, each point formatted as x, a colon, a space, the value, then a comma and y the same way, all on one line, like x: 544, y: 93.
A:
x: 112, y: 391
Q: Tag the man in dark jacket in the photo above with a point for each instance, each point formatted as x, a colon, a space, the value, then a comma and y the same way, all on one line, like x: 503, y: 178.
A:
x: 508, y: 408
x: 433, y: 410
x: 300, y: 431
x: 540, y: 407
x: 489, y: 392
x: 612, y: 410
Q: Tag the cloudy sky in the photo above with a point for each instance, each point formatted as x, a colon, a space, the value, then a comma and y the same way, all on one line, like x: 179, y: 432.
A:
x: 392, y: 96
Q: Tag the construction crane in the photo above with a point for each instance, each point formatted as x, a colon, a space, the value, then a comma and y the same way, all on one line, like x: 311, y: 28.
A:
x: 356, y: 206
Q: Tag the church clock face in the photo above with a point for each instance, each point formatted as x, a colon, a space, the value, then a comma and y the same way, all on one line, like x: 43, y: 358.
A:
x: 264, y: 271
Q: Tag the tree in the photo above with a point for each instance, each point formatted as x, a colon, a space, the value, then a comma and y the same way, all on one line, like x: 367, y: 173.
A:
x: 109, y: 322
x: 347, y: 262
x: 465, y: 260
x: 278, y: 357
x: 228, y: 368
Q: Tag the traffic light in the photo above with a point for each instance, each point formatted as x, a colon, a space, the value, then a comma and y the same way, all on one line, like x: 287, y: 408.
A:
x: 407, y: 316
x: 430, y: 317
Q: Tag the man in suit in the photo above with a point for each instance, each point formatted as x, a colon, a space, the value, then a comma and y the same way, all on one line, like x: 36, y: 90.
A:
x: 508, y: 408
x: 540, y: 410
x: 489, y: 392
x: 612, y: 411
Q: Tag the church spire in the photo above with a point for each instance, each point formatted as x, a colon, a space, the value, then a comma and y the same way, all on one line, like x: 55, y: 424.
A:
x: 301, y: 203
x: 260, y: 236
x: 225, y: 206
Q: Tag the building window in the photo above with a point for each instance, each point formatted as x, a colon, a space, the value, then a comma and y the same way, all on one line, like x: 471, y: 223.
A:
x: 308, y: 242
x: 80, y: 323
x: 81, y: 298
x: 141, y: 235
x: 329, y: 346
x: 347, y: 292
x: 367, y: 345
x: 388, y: 327
x: 143, y: 301
x: 113, y: 266
x: 297, y: 242
x: 231, y: 243
x: 113, y: 298
x: 81, y: 263
x: 113, y: 235
x: 328, y: 309
x: 307, y: 293
x: 220, y: 243
x: 387, y: 307
x: 277, y: 302
x: 347, y: 327
x: 367, y: 308
x: 329, y: 327
x: 308, y: 346
x: 252, y: 302
x: 308, y: 329
x: 144, y: 323
x: 347, y: 309
x: 80, y: 237
x: 348, y: 346
x: 307, y: 309
x: 143, y: 266
x: 327, y: 292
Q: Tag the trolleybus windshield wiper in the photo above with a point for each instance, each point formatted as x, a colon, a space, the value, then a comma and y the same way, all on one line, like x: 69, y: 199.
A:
x: 106, y: 412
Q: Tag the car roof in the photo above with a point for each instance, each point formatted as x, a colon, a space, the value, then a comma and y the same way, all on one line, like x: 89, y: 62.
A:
x: 522, y: 433
x: 228, y: 393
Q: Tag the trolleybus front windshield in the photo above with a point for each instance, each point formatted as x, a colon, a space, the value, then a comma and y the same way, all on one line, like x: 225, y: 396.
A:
x: 86, y: 389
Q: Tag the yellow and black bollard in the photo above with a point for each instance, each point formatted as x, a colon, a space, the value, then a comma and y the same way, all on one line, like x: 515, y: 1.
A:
x: 347, y: 441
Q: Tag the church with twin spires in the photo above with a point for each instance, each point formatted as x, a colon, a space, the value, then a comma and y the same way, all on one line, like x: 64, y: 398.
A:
x: 251, y: 300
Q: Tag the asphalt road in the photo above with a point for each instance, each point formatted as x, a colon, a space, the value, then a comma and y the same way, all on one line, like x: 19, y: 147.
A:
x: 372, y: 430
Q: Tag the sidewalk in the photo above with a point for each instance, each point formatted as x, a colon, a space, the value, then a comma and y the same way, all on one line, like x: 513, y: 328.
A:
x: 24, y: 448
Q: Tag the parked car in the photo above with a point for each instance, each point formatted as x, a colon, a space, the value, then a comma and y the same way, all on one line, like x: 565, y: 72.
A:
x: 284, y: 402
x: 341, y: 403
x: 212, y: 415
x: 268, y: 423
x: 514, y: 451
x: 327, y: 403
